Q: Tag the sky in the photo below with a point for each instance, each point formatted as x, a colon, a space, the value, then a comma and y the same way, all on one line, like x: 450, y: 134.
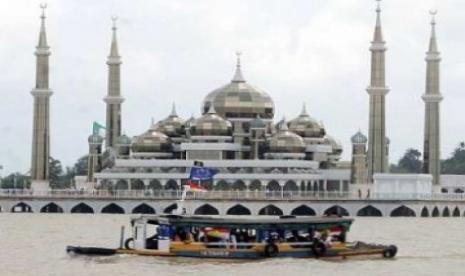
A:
x: 298, y: 51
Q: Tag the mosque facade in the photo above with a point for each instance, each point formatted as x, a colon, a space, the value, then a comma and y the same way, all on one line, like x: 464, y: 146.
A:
x: 237, y: 134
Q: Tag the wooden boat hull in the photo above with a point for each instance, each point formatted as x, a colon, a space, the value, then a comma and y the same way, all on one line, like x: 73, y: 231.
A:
x: 198, y: 250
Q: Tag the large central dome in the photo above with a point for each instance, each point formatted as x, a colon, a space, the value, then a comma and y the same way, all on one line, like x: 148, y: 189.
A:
x: 239, y: 99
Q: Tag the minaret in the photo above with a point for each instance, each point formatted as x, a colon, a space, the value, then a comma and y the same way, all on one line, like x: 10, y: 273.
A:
x: 377, y: 91
x: 41, y: 124
x: 358, y: 172
x: 113, y: 98
x: 95, y: 154
x: 432, y: 98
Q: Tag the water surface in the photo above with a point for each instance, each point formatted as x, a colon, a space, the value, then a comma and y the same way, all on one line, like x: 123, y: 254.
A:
x: 34, y: 244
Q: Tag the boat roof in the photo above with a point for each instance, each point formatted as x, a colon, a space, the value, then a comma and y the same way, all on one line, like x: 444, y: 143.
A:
x: 251, y: 222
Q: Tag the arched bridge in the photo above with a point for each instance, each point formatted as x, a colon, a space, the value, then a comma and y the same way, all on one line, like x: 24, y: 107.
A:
x: 233, y: 203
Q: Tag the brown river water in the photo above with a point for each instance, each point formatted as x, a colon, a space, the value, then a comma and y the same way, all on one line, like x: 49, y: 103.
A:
x: 34, y: 244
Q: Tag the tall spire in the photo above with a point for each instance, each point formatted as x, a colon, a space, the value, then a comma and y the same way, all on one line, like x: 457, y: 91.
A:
x: 377, y: 91
x: 238, y: 73
x: 42, y: 35
x: 378, y: 35
x: 113, y: 99
x: 433, y: 45
x: 173, y: 111
x: 432, y: 98
x: 41, y: 117
x: 114, y: 42
x: 304, y: 110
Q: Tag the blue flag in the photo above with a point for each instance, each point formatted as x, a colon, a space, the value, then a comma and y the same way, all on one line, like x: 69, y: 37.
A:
x: 201, y: 173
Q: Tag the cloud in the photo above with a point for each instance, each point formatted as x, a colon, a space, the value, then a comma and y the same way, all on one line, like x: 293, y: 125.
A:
x: 298, y: 51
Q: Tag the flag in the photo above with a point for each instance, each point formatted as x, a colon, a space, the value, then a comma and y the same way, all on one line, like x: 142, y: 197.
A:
x: 194, y: 187
x: 201, y: 173
x: 96, y: 127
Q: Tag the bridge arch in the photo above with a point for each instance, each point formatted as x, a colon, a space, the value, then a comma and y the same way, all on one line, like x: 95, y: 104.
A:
x: 82, y: 208
x: 270, y: 210
x: 112, y: 208
x: 446, y: 212
x: 435, y: 212
x: 52, y: 207
x: 369, y: 211
x: 238, y: 209
x: 143, y: 209
x: 169, y: 209
x: 336, y: 210
x: 21, y: 208
x: 403, y: 211
x: 206, y: 209
x: 456, y: 212
x: 303, y: 210
x: 424, y: 212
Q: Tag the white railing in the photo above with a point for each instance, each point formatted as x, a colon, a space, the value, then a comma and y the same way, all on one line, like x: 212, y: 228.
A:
x: 227, y: 195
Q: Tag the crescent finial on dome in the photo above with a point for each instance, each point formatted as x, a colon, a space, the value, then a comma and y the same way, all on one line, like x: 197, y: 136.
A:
x: 238, y: 73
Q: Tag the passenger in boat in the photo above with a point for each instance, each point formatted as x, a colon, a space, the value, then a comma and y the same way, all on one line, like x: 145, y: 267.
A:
x: 326, y: 239
x: 296, y: 237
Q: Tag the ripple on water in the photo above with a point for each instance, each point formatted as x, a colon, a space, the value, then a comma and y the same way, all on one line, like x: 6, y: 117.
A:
x: 34, y: 244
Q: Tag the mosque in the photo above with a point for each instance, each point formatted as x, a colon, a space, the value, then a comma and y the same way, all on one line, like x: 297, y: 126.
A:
x: 237, y: 134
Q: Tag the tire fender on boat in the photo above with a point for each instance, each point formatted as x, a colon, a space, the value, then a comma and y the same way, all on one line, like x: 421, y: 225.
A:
x: 318, y: 248
x: 390, y: 252
x: 271, y: 250
x: 127, y: 243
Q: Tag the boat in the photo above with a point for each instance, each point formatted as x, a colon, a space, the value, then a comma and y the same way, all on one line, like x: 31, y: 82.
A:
x: 240, y: 237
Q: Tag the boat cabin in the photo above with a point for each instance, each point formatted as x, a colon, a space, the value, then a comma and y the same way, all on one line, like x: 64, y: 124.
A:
x: 165, y: 232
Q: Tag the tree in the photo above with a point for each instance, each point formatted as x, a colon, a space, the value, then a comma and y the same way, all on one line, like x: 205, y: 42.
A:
x: 16, y: 181
x: 409, y: 163
x: 456, y: 163
x: 55, y: 172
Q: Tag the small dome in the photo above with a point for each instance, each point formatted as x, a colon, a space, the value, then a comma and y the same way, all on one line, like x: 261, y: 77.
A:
x: 239, y: 99
x: 95, y: 139
x: 257, y: 123
x: 211, y: 124
x: 286, y: 141
x: 152, y: 141
x: 359, y: 138
x: 173, y: 126
x: 123, y: 140
x: 337, y: 147
x: 306, y: 126
x: 189, y: 122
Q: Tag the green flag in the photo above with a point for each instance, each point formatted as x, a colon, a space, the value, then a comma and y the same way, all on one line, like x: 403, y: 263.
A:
x: 96, y: 127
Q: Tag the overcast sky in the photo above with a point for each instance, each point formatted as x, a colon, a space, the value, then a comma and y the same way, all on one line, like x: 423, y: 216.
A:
x: 177, y: 51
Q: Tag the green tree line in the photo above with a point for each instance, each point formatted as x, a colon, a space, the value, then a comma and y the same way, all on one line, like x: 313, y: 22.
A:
x: 411, y: 162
